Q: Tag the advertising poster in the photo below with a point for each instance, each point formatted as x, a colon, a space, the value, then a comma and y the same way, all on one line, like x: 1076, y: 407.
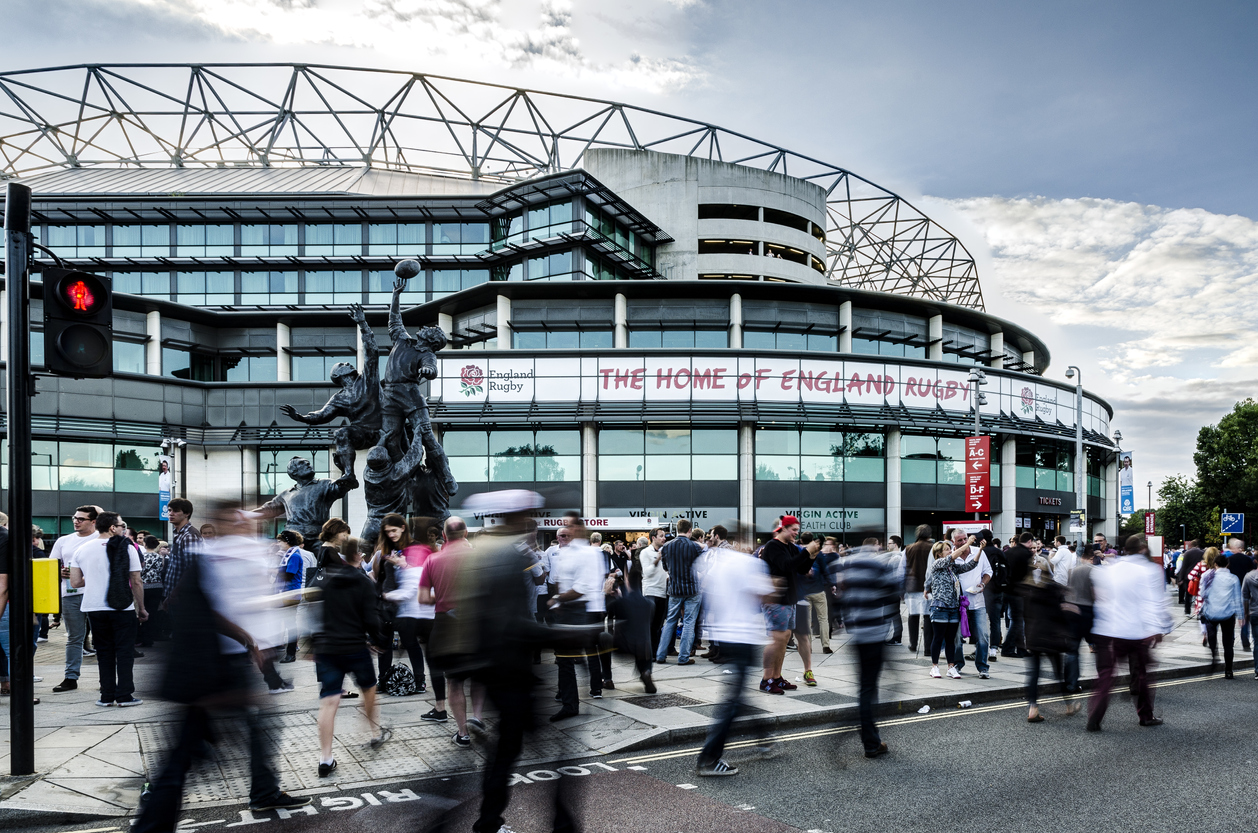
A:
x: 163, y: 486
x: 1126, y: 484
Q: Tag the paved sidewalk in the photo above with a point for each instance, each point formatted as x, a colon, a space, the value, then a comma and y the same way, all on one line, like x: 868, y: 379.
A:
x: 93, y: 761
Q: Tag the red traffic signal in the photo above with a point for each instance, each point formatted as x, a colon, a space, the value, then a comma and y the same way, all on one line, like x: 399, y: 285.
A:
x: 78, y: 324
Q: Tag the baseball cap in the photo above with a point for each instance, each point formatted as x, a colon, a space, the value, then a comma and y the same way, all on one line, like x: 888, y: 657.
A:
x: 787, y: 520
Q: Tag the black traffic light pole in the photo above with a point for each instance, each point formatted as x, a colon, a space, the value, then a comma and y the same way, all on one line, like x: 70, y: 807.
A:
x: 17, y: 276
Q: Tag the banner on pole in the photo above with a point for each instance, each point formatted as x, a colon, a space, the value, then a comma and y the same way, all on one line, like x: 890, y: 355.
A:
x: 1126, y: 484
x: 163, y: 487
x: 978, y: 474
x: 1150, y: 522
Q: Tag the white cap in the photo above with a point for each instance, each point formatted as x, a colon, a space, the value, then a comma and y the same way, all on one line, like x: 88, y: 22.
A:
x: 503, y: 502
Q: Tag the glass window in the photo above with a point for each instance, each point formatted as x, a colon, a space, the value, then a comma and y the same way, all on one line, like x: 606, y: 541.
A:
x: 128, y: 357
x: 273, y: 467
x: 249, y: 368
x: 754, y: 339
x: 563, y: 339
x: 317, y: 368
x: 459, y: 238
x: 620, y: 467
x: 37, y: 348
x: 445, y: 281
x: 268, y: 288
x: 273, y: 240
x: 380, y: 289
x: 645, y: 338
x: 514, y: 455
x: 141, y: 241
x: 620, y: 441
x: 206, y: 288
x: 334, y: 239
x: 77, y: 241
x: 128, y: 282
x: 555, y: 265
x: 758, y: 340
x: 203, y: 241
x: 135, y: 469
x: 185, y: 365
x: 341, y: 287
x: 597, y: 339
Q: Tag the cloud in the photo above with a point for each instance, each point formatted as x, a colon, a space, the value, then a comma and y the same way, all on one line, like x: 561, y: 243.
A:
x: 474, y: 37
x: 1171, y: 281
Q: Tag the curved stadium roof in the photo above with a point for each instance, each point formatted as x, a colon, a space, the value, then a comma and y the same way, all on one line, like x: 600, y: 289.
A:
x: 308, y: 115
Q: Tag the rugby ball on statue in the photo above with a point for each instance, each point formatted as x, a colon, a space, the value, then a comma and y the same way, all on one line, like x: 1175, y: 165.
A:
x: 407, y: 269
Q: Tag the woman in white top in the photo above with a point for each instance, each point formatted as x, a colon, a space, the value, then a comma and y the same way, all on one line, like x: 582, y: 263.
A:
x: 401, y: 588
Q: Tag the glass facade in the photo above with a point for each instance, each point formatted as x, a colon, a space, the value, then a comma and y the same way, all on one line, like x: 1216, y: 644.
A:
x: 668, y: 454
x: 939, y: 460
x: 878, y: 347
x: 679, y: 339
x: 317, y: 368
x: 562, y: 339
x: 447, y: 281
x: 128, y: 357
x: 1045, y: 464
x: 512, y: 456
x: 755, y: 339
x: 334, y: 239
x: 819, y: 454
x: 273, y: 467
x: 93, y: 467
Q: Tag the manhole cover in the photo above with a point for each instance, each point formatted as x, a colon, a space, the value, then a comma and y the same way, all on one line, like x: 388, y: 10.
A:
x: 661, y: 701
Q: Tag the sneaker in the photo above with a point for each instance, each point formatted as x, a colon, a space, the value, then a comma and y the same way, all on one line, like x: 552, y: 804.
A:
x: 562, y: 714
x: 434, y: 716
x: 689, y: 661
x: 954, y: 673
x: 784, y: 685
x: 130, y: 701
x: 983, y: 675
x: 719, y: 768
x: 476, y: 725
x: 934, y: 672
x: 289, y: 658
x: 462, y: 741
x: 810, y: 680
x: 284, y: 801
x: 88, y: 652
x: 596, y: 695
x: 104, y: 702
x: 826, y: 649
x: 41, y: 639
x: 326, y: 769
x: 284, y: 688
x: 771, y: 687
x: 421, y: 687
x: 382, y: 738
x: 877, y: 752
x: 648, y: 685
x: 66, y: 685
x: 993, y: 658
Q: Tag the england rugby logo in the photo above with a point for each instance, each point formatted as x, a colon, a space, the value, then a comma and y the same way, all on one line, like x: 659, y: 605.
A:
x: 1028, y: 401
x: 472, y: 380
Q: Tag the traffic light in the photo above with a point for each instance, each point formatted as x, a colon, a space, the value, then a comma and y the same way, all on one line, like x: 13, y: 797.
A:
x: 78, y: 324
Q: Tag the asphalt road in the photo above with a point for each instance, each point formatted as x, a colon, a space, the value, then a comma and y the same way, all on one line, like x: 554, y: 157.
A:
x: 974, y: 770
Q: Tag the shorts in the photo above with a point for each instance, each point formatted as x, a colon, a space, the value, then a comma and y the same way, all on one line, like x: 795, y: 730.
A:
x: 916, y: 603
x: 945, y: 615
x: 332, y: 668
x: 779, y: 617
x: 803, y: 619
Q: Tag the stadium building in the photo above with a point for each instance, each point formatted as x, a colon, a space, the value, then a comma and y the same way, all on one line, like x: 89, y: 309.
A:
x: 650, y: 317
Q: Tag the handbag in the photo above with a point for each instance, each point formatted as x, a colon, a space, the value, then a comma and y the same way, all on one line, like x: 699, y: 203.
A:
x: 1193, y: 587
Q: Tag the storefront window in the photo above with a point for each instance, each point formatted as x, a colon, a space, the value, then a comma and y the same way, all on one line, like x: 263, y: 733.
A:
x: 668, y: 454
x: 1045, y: 464
x: 939, y: 460
x: 513, y: 456
x: 819, y: 455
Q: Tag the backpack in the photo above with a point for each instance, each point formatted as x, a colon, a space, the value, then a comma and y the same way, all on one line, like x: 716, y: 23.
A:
x: 399, y: 682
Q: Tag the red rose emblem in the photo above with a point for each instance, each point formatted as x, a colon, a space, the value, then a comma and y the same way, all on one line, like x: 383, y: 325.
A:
x: 472, y: 379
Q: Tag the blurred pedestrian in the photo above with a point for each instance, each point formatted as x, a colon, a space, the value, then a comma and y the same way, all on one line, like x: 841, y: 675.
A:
x: 786, y: 563
x: 1190, y: 559
x: 736, y: 587
x: 1130, y: 619
x: 395, y: 542
x: 680, y: 555
x: 1078, y: 606
x: 295, y: 565
x: 1240, y: 564
x: 1046, y: 631
x: 579, y: 572
x: 655, y: 582
x: 916, y: 560
x: 870, y: 584
x: 152, y: 568
x: 1220, y: 607
x: 1018, y: 564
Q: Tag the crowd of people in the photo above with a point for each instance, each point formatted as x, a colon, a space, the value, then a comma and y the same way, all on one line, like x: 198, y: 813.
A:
x: 427, y: 605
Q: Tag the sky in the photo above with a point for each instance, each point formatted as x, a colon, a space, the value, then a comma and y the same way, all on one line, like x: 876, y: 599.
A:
x: 1098, y: 160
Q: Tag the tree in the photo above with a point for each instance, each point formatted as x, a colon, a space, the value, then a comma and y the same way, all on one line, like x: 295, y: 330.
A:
x: 1180, y: 502
x: 1227, y: 461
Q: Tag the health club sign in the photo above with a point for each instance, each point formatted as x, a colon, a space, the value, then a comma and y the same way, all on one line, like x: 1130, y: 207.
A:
x: 698, y: 378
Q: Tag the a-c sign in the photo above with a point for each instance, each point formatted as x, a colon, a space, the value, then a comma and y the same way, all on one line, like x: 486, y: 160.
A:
x: 978, y: 474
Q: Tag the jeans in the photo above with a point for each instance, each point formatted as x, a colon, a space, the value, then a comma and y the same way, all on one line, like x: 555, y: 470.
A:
x: 870, y: 656
x: 1033, y: 674
x: 115, y: 652
x: 675, y: 604
x: 1080, y: 625
x: 738, y: 658
x: 978, y: 630
x: 1229, y: 636
x: 1109, y: 652
x: 4, y: 645
x: 76, y: 629
x: 995, y: 603
x: 1015, y: 640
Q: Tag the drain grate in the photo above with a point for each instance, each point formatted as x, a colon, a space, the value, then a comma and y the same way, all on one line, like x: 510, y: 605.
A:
x: 661, y: 701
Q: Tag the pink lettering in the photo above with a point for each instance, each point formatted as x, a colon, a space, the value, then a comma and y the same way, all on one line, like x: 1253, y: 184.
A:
x: 637, y: 375
x: 951, y: 390
x: 761, y: 373
x: 681, y: 383
x: 702, y: 380
x: 717, y: 375
x: 663, y: 380
x: 874, y: 383
x: 744, y: 379
x: 805, y: 380
x: 787, y: 377
x: 823, y: 381
x: 888, y: 385
x: 606, y: 374
x: 622, y: 379
x: 910, y: 387
x: 855, y: 383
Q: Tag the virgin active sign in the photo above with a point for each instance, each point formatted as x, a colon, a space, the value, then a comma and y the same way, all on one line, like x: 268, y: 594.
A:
x: 483, y: 377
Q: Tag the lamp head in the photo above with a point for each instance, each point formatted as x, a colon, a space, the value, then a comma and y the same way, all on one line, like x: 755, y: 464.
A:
x: 1118, y: 436
x: 1070, y: 373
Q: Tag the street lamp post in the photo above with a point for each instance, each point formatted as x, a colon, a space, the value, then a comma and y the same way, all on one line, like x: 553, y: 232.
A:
x: 1081, y: 504
x: 1150, y: 496
x: 1118, y: 479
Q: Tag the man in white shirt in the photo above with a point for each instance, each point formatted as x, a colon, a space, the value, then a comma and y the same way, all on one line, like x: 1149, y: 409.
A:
x: 1130, y: 617
x: 655, y: 582
x: 578, y: 571
x: 114, y: 629
x: 71, y: 597
x: 973, y: 583
x: 734, y: 588
x: 1063, y: 560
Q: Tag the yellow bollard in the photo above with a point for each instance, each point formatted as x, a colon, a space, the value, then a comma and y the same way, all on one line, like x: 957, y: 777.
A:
x: 46, y: 585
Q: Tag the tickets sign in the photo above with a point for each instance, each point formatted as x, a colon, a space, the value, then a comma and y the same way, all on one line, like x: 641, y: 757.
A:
x: 978, y: 474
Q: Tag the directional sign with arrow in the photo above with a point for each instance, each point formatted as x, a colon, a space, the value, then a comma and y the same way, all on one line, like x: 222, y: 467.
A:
x: 1233, y: 523
x: 978, y: 474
